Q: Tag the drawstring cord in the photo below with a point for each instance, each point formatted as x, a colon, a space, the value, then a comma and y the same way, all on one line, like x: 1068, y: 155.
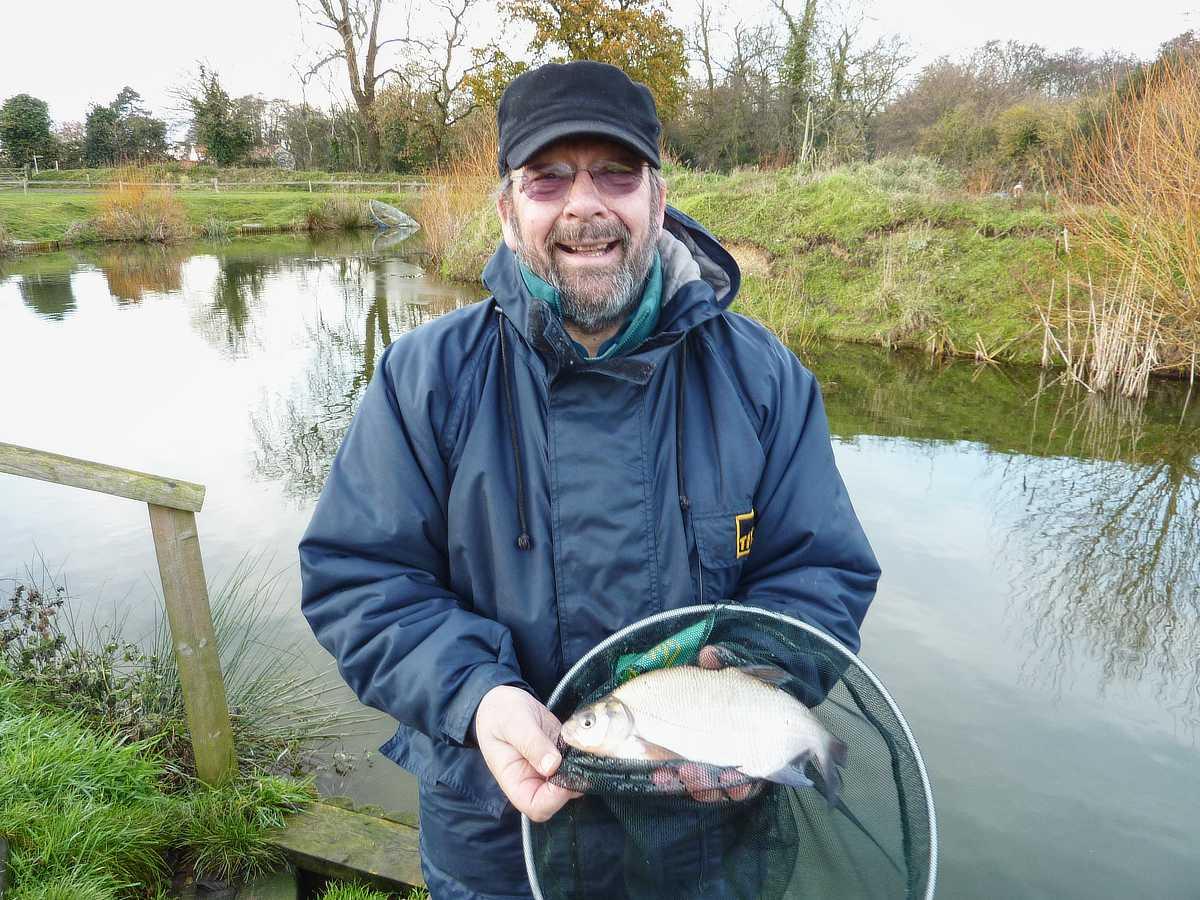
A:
x: 524, y: 542
x: 685, y: 503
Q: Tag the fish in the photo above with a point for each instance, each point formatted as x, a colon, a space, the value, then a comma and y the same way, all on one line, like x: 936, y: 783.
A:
x: 732, y: 718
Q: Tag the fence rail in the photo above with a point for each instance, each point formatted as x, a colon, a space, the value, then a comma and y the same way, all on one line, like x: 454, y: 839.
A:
x: 173, y: 504
x: 212, y: 185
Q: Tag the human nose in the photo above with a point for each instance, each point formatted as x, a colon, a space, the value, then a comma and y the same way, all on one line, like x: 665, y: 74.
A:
x: 583, y: 199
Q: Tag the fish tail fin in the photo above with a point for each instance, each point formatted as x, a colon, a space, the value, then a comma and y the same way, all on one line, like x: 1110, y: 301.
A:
x: 829, y: 765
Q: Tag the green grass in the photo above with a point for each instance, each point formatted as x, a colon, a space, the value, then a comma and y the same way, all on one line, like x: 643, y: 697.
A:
x: 47, y: 216
x: 890, y: 252
x: 87, y: 815
x: 346, y: 891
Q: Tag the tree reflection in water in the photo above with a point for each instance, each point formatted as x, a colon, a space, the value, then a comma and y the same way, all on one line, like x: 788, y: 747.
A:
x: 50, y: 296
x: 236, y: 292
x: 1110, y: 543
x: 298, y: 435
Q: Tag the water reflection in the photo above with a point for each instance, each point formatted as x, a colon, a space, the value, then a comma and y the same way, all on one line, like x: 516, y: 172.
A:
x: 1110, y: 563
x: 225, y: 321
x: 1098, y: 499
x: 133, y: 272
x: 48, y: 295
x: 298, y: 434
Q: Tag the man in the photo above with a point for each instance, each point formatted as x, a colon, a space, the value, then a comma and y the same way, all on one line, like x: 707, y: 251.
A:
x: 598, y: 441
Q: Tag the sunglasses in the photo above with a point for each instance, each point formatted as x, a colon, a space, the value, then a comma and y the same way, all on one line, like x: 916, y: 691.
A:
x: 552, y: 182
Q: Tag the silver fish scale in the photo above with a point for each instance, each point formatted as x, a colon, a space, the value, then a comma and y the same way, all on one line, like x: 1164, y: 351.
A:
x: 723, y: 717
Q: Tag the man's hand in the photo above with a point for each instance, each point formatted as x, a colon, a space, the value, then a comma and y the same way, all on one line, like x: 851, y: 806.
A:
x: 517, y: 737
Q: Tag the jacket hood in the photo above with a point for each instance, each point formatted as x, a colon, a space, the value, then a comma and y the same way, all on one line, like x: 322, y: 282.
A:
x: 700, y: 279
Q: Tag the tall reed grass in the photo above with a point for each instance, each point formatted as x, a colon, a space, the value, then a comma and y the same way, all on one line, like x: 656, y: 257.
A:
x: 457, y: 203
x: 1134, y: 186
x: 137, y: 211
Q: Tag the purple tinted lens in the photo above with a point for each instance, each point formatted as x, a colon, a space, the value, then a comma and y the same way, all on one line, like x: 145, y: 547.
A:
x: 546, y: 187
x: 612, y: 182
x: 617, y: 182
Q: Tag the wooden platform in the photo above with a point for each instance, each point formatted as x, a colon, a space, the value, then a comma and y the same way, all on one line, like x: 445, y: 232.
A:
x: 353, y: 845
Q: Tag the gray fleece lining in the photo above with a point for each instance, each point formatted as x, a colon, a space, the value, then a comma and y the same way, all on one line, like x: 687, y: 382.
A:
x: 683, y: 261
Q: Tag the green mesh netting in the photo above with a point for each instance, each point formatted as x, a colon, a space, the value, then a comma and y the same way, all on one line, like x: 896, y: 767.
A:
x: 637, y: 835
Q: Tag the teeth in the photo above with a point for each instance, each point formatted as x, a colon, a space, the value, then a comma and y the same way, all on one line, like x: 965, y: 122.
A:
x: 588, y: 249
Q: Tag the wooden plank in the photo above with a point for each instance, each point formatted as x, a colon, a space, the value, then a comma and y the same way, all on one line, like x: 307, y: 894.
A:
x: 185, y: 592
x: 346, y: 844
x: 94, y: 476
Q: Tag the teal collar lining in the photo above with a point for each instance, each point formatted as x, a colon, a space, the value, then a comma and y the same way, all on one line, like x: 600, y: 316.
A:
x: 639, y: 326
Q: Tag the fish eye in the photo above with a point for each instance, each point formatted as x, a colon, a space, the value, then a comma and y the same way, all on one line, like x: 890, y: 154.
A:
x: 588, y: 722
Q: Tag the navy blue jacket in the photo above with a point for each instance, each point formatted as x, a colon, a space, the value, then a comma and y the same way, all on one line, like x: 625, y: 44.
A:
x: 484, y: 431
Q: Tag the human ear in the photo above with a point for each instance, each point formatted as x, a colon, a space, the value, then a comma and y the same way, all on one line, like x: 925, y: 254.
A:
x: 507, y: 223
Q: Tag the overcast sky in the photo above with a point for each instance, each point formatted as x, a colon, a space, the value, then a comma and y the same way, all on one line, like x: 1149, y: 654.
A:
x: 74, y: 53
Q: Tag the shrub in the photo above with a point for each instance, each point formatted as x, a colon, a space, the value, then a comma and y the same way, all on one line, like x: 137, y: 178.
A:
x: 346, y: 212
x: 7, y: 245
x: 216, y: 229
x: 1032, y: 134
x: 81, y: 232
x: 960, y: 138
x: 136, y: 211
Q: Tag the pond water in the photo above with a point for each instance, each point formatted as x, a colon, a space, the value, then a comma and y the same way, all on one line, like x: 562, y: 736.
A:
x: 1038, y: 620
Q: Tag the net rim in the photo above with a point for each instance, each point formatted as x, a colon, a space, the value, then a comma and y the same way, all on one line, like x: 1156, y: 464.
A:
x: 527, y: 823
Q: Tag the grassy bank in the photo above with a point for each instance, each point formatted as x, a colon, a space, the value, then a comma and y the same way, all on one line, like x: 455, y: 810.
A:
x: 49, y: 217
x: 98, y: 794
x: 91, y: 816
x: 891, y: 252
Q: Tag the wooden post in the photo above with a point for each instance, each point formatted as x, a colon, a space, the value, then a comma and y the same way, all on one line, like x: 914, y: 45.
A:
x: 216, y: 187
x: 177, y: 546
x: 310, y: 187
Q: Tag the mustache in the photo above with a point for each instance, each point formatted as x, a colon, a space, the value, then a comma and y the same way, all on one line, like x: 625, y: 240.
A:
x: 588, y: 234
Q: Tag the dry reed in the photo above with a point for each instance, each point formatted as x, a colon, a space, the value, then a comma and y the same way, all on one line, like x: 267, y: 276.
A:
x: 1134, y: 185
x: 460, y: 192
x: 138, y: 211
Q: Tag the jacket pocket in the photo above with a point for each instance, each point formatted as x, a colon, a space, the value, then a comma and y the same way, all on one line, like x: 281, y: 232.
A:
x: 724, y: 538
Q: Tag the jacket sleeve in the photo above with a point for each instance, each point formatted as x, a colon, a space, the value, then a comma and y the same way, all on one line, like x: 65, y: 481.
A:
x: 810, y: 558
x: 374, y: 570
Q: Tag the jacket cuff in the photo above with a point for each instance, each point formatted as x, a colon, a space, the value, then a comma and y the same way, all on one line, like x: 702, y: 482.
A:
x: 460, y: 711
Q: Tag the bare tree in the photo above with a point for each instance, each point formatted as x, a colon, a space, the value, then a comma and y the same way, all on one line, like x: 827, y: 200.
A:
x: 441, y: 78
x: 356, y: 26
x: 698, y: 43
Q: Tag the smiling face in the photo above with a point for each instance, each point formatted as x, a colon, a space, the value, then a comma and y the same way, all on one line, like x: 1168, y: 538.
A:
x: 593, y: 248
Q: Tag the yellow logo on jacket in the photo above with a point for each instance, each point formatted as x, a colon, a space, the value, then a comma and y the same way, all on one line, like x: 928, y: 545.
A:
x: 745, y: 533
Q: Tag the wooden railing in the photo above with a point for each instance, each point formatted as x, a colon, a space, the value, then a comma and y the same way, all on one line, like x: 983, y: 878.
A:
x: 173, y: 505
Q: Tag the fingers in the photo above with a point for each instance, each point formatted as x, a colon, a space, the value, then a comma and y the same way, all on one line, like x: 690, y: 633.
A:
x: 699, y: 783
x: 709, y: 657
x: 546, y: 800
x: 736, y: 787
x: 516, y: 737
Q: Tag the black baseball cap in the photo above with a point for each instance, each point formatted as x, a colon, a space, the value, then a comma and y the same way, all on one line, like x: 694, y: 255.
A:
x: 561, y: 100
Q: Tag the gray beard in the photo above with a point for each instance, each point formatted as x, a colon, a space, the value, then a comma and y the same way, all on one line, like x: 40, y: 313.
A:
x: 593, y: 301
